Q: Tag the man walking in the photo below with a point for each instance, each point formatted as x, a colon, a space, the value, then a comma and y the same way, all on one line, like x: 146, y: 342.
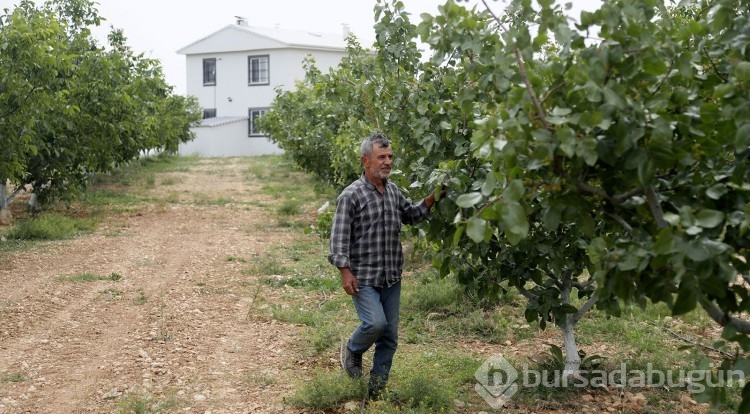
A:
x: 366, y: 248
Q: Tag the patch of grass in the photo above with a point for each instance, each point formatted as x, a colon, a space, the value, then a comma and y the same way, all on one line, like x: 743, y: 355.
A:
x: 425, y: 382
x: 145, y: 403
x: 235, y: 259
x: 318, y: 282
x: 112, y: 294
x: 263, y: 379
x: 118, y: 200
x: 141, y: 298
x: 90, y: 277
x: 290, y: 208
x: 50, y: 227
x: 270, y: 266
x: 326, y: 390
x: 13, y: 377
x: 171, y: 180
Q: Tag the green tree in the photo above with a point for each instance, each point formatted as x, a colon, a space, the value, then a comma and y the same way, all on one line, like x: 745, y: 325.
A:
x: 100, y: 107
x: 606, y: 158
x: 26, y: 69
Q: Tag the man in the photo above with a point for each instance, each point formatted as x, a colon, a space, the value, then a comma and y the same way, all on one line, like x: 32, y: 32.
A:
x: 366, y: 248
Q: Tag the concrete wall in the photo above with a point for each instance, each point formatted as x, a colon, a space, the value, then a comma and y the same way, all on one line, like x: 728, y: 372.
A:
x: 227, y: 140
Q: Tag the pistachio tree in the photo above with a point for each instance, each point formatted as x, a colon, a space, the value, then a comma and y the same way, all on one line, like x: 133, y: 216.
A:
x: 633, y: 135
x: 72, y: 107
x: 604, y: 158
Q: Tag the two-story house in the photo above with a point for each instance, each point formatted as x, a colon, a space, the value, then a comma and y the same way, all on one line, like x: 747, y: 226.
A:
x: 234, y: 73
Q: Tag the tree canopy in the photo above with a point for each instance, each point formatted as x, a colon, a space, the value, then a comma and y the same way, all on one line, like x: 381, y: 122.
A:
x: 70, y: 106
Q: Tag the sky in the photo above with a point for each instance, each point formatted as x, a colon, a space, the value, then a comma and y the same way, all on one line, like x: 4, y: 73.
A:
x: 158, y: 28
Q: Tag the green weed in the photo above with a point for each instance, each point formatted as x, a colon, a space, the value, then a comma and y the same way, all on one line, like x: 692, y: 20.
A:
x: 50, y: 227
x: 90, y: 277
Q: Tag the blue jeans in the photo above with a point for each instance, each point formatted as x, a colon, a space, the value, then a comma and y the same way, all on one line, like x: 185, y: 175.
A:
x: 378, y: 309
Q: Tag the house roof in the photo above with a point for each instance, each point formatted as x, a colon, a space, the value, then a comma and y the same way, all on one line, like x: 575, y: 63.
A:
x: 249, y: 37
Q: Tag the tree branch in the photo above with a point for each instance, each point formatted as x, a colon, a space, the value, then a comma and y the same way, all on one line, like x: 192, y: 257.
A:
x: 724, y: 319
x: 621, y: 198
x: 693, y: 342
x: 622, y: 222
x: 655, y: 206
x: 585, y: 308
x: 522, y: 71
x: 585, y: 285
x: 713, y: 65
x: 526, y: 293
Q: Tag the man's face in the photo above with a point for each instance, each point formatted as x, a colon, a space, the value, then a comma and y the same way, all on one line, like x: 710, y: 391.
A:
x: 378, y: 163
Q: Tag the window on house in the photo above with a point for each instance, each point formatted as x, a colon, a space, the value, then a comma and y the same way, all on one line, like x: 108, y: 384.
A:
x: 254, y: 114
x: 209, y: 72
x: 257, y: 70
x: 209, y: 113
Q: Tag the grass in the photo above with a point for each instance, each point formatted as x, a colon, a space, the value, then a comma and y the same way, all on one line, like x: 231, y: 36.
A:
x: 13, y: 377
x: 90, y: 277
x: 53, y: 226
x: 145, y: 403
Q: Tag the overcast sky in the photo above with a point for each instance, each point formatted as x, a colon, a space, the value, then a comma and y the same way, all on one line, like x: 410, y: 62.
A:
x: 159, y: 28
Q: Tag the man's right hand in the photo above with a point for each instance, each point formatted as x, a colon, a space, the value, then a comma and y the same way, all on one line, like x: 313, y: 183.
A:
x: 349, y: 282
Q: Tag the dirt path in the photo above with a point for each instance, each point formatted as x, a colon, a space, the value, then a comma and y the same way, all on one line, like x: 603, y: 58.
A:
x: 177, y: 330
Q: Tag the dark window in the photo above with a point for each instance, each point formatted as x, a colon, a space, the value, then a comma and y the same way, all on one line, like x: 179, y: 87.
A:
x: 209, y: 113
x: 254, y: 114
x: 257, y: 70
x: 209, y: 72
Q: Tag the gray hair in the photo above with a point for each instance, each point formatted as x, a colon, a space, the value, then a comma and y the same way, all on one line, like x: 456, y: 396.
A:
x: 369, y: 143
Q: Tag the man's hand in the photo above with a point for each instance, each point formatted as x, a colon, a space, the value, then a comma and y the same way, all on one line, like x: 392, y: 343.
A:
x: 348, y: 281
x: 430, y: 199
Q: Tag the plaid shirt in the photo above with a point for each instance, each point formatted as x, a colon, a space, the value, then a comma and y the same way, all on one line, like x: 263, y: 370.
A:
x: 366, y: 229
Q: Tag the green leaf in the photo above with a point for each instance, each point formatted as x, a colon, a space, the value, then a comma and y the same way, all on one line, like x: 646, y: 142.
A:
x: 697, y: 251
x: 708, y: 219
x: 742, y: 139
x: 476, y: 229
x: 515, y: 222
x: 665, y: 242
x: 468, y: 200
x: 514, y: 191
x: 686, y: 300
x: 742, y: 72
x: 716, y: 191
x: 654, y: 65
x: 551, y: 217
x: 490, y: 183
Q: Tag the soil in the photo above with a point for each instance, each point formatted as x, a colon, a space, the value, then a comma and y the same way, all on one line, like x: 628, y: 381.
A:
x: 178, y: 326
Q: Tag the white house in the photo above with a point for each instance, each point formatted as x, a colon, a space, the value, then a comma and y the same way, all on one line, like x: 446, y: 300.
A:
x: 234, y: 73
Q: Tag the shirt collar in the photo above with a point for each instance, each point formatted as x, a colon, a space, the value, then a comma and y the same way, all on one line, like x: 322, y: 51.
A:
x: 369, y: 184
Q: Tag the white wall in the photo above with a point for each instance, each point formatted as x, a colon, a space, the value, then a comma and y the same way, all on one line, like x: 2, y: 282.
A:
x: 227, y: 140
x: 231, y: 78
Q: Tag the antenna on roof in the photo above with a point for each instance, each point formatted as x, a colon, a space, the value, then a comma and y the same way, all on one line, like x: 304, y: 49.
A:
x: 241, y: 21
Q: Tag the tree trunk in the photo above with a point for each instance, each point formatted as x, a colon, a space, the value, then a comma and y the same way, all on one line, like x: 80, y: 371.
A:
x: 33, y: 203
x: 5, y: 217
x: 570, y: 349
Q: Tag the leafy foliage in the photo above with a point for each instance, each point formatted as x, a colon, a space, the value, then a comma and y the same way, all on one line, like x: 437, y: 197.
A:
x: 70, y: 107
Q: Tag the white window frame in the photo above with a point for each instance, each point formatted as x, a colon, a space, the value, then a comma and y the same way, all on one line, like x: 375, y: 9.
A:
x: 252, y: 114
x: 209, y: 76
x: 262, y: 76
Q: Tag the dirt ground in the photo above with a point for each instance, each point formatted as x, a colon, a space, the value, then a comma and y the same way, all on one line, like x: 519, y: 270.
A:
x: 178, y: 327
